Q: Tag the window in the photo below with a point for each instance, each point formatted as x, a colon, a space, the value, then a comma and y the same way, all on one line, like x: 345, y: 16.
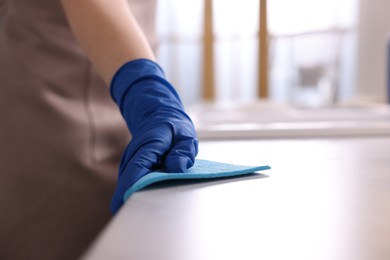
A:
x: 312, y: 48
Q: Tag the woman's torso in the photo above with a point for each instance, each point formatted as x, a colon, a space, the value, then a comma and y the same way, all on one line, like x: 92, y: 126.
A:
x: 61, y: 135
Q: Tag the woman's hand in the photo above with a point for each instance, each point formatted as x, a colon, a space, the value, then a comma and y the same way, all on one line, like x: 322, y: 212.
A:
x: 162, y: 133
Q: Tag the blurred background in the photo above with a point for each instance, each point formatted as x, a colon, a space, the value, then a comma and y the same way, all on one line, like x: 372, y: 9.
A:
x: 251, y: 64
x: 280, y: 68
x: 340, y: 42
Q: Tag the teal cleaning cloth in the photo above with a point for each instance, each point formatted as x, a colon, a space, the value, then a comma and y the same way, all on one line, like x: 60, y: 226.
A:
x: 202, y: 169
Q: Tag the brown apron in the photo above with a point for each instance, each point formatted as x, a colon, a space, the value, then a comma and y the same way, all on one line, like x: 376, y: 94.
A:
x: 61, y: 135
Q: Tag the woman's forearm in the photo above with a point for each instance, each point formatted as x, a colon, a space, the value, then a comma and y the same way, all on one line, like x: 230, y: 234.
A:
x: 108, y: 32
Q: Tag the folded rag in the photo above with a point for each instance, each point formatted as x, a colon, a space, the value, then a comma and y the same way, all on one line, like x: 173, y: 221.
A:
x: 201, y: 169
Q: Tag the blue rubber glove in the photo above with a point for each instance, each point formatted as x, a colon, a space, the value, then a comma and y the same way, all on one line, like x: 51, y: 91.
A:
x: 163, y: 135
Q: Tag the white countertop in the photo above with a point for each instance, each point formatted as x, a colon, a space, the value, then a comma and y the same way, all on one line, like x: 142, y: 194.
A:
x: 323, y: 198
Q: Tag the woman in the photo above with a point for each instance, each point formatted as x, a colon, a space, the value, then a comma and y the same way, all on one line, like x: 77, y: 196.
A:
x: 61, y: 133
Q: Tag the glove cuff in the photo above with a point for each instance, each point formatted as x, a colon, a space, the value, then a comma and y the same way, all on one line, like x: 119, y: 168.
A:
x: 131, y: 72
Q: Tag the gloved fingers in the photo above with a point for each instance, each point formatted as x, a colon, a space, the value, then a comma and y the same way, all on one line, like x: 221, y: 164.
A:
x: 158, y: 137
x: 182, y: 154
x: 144, y: 153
